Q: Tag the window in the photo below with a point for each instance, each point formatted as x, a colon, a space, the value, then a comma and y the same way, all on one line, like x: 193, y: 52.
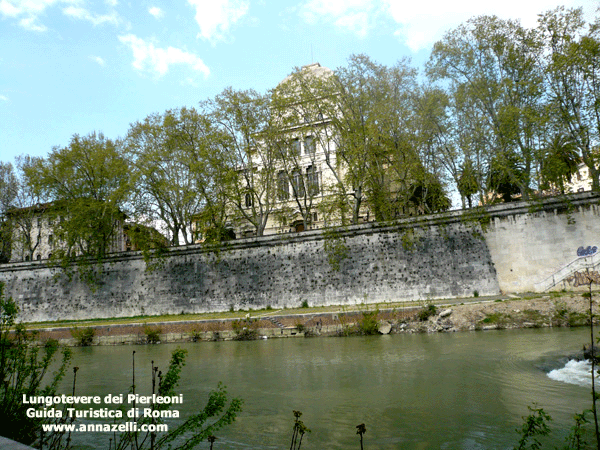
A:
x: 39, y: 222
x: 283, y: 189
x: 298, y: 183
x: 312, y: 178
x: 309, y: 145
x: 295, y: 149
x: 315, y: 218
x: 50, y: 240
x: 38, y: 257
x: 248, y: 200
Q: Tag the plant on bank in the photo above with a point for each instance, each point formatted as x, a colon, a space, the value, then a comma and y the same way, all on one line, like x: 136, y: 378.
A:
x: 245, y: 329
x: 426, y: 312
x: 218, y: 412
x: 24, y: 370
x: 299, y: 430
x: 83, y: 336
x: 152, y: 334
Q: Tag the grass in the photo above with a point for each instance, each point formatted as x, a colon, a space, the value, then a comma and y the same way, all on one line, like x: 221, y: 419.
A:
x: 225, y: 315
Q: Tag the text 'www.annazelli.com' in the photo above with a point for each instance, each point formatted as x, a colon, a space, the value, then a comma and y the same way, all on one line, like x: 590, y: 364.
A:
x: 105, y: 427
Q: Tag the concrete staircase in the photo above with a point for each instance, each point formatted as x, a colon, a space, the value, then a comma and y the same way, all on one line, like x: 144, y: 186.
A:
x: 580, y: 264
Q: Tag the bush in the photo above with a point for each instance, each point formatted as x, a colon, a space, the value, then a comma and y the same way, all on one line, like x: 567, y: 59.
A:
x: 368, y: 323
x: 83, y: 336
x: 152, y: 334
x: 24, y: 370
x: 426, y: 312
x: 245, y: 329
x: 304, y: 304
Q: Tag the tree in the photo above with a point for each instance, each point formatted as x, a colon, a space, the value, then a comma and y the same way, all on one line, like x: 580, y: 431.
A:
x: 491, y: 63
x: 467, y: 183
x: 24, y: 370
x: 571, y: 57
x: 8, y: 193
x: 559, y: 164
x: 250, y: 158
x: 23, y: 214
x: 88, y: 184
x: 176, y: 179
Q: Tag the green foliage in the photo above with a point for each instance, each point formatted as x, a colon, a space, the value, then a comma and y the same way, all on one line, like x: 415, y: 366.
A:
x: 24, y: 370
x: 335, y: 248
x: 426, y: 312
x: 501, y: 320
x: 152, y: 334
x: 299, y: 430
x: 304, y: 304
x: 534, y: 425
x: 368, y: 324
x: 83, y: 336
x: 218, y: 412
x: 245, y: 329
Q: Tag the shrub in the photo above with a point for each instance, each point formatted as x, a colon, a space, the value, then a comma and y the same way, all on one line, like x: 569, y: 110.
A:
x: 368, y: 323
x: 245, y: 329
x: 152, y: 334
x: 304, y: 304
x: 83, y: 336
x: 475, y: 294
x: 426, y: 312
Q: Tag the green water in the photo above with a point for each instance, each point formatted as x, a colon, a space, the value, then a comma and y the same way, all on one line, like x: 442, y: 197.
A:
x: 447, y: 391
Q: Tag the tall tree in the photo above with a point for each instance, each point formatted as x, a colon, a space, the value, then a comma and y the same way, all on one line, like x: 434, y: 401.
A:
x: 175, y: 175
x: 250, y: 159
x: 490, y: 63
x: 88, y: 182
x: 571, y: 57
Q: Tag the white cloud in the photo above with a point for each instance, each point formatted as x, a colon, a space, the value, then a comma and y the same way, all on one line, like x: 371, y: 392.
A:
x: 421, y: 23
x: 29, y: 23
x: 156, y: 12
x: 3, y: 98
x: 112, y: 3
x: 355, y: 16
x: 98, y: 60
x: 424, y: 23
x: 29, y: 11
x: 147, y: 57
x: 78, y: 12
x: 216, y: 17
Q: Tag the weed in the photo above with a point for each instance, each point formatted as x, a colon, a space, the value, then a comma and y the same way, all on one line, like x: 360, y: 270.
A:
x: 368, y: 323
x: 83, y: 336
x: 426, y: 312
x: 498, y: 319
x: 245, y: 329
x: 196, y: 335
x: 152, y: 334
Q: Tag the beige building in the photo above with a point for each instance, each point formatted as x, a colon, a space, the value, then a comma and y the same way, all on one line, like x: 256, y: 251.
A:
x: 34, y: 236
x: 304, y: 175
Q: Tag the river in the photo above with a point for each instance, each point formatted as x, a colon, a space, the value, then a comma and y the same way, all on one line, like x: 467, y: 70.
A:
x: 421, y: 391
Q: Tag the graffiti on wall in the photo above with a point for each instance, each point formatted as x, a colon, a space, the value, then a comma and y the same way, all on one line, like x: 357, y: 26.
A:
x: 586, y: 251
x: 584, y: 278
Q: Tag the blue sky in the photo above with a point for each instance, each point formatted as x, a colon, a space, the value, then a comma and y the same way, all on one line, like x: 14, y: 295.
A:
x: 76, y: 66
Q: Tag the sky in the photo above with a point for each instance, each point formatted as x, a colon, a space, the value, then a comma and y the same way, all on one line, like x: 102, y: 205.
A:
x: 78, y: 66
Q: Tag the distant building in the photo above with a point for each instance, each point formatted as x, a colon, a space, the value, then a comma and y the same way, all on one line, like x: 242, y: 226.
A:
x: 34, y: 233
x: 303, y: 178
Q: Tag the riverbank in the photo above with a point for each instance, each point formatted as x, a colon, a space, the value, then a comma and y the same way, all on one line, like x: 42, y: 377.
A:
x: 527, y: 311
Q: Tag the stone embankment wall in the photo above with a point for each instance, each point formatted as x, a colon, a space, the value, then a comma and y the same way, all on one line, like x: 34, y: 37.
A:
x: 441, y: 256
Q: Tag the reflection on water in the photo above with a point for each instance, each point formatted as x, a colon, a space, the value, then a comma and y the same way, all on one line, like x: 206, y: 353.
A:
x: 450, y: 391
